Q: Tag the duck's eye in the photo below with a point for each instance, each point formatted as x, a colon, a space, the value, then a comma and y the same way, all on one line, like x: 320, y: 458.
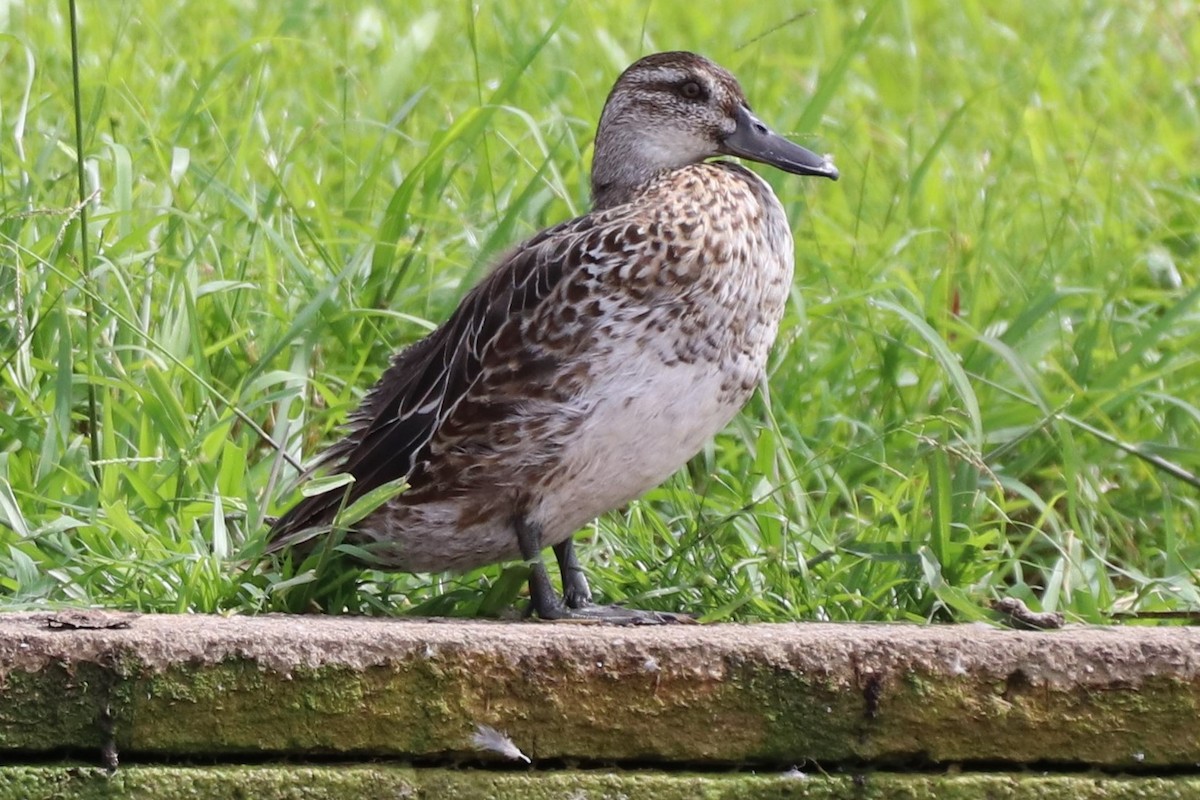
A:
x: 691, y: 90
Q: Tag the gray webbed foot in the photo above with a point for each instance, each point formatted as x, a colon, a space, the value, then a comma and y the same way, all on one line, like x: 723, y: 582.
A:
x: 576, y: 603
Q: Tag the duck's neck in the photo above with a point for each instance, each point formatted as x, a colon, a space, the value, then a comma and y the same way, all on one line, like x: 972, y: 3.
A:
x: 623, y: 164
x: 607, y: 195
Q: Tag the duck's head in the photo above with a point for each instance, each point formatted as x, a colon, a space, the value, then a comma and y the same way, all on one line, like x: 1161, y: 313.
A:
x: 669, y: 110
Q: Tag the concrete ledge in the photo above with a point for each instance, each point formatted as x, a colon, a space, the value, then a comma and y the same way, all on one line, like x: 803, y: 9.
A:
x: 768, y: 695
x: 361, y: 781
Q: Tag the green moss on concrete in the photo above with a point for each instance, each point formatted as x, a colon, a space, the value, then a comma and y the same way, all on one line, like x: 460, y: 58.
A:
x: 64, y: 706
x: 592, y: 697
x: 236, y: 706
x: 429, y: 705
x: 356, y: 782
x: 1023, y: 721
x: 930, y: 718
x: 796, y: 717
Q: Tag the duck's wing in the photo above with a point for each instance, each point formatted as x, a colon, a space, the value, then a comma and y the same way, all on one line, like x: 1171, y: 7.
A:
x: 390, y: 434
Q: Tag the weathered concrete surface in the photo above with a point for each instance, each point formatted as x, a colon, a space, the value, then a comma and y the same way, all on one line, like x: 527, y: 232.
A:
x: 767, y: 695
x: 357, y: 782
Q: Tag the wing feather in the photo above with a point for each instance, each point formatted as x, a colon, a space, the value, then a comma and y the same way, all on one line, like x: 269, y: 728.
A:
x: 390, y: 433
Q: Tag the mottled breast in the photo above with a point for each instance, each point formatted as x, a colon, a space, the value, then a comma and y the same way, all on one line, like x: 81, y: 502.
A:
x: 681, y: 336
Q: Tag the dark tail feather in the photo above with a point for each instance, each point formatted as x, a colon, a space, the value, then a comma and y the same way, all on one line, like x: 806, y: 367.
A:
x: 304, y: 521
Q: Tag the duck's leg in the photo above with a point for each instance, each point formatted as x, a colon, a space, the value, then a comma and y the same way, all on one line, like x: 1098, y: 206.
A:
x: 543, y: 600
x: 576, y: 592
x: 546, y: 603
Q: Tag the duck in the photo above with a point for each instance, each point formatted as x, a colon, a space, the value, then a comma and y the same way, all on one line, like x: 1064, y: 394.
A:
x: 592, y: 362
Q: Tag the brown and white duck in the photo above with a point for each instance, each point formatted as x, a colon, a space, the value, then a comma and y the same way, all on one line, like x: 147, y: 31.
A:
x: 595, y: 359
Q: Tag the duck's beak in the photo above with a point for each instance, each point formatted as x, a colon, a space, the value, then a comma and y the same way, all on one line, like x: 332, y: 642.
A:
x: 754, y: 140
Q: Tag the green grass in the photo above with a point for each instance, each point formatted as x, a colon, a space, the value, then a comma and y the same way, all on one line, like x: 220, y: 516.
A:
x: 987, y: 383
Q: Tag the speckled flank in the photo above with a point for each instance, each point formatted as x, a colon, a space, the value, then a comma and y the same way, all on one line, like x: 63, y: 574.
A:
x: 597, y: 357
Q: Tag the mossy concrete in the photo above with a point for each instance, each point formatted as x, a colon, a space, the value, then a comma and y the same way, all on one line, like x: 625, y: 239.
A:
x: 354, y: 782
x: 719, y: 695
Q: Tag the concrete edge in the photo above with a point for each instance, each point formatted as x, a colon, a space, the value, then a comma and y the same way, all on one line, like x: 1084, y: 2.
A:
x: 771, y: 695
